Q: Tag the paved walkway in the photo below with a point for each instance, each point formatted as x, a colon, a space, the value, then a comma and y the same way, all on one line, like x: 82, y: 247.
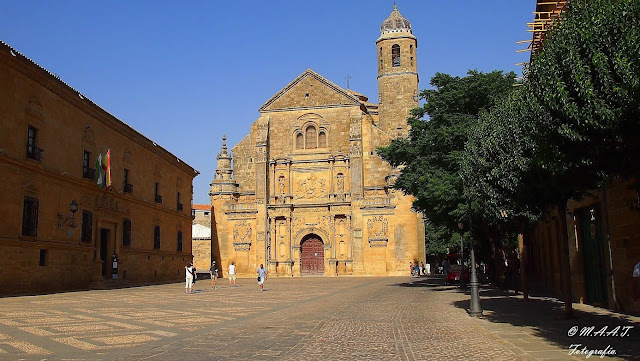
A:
x: 343, y: 318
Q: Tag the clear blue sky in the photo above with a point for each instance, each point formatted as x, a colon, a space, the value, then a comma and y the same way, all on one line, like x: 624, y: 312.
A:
x: 185, y: 72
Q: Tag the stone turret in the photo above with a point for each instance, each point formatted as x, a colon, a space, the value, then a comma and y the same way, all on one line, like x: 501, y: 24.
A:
x: 223, y: 183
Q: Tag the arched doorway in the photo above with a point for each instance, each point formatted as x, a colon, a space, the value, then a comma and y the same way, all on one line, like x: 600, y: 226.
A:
x: 312, y: 255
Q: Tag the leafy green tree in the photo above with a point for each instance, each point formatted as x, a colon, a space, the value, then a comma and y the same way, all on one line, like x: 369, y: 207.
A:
x: 573, y: 125
x: 431, y: 156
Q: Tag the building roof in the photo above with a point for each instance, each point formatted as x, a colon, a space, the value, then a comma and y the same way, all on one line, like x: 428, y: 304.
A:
x: 199, y: 231
x: 201, y: 207
x: 395, y: 22
x: 85, y: 101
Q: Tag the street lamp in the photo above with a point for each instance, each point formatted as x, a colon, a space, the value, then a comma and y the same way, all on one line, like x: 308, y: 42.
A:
x: 474, y: 307
x: 73, y: 207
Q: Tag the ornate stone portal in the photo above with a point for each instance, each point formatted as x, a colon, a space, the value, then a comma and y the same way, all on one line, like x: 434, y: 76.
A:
x: 307, y: 193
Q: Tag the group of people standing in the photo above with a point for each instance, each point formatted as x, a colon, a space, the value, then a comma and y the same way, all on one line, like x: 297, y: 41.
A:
x: 417, y: 270
x: 191, y: 275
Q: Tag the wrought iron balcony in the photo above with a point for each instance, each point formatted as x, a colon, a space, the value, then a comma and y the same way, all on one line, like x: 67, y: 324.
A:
x: 88, y: 173
x: 128, y: 188
x: 180, y: 207
x: 158, y: 198
x: 35, y: 153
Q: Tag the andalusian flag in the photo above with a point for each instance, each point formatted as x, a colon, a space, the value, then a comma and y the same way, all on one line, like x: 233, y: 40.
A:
x: 108, y: 173
x: 99, y: 179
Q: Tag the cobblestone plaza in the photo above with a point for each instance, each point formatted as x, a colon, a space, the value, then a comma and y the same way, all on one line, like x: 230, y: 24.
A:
x: 310, y: 318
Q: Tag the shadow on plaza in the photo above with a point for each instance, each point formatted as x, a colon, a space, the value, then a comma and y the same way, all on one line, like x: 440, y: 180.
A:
x: 545, y: 316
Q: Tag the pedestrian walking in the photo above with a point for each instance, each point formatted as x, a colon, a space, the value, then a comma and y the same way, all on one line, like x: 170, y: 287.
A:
x: 213, y: 271
x: 262, y: 276
x: 189, y: 276
x: 411, y: 268
x: 422, y: 268
x: 232, y: 274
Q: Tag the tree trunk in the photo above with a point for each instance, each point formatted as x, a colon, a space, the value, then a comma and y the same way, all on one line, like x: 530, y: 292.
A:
x: 566, y: 267
x: 523, y: 265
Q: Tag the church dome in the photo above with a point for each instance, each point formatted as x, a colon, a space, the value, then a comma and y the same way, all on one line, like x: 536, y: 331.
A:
x: 395, y: 22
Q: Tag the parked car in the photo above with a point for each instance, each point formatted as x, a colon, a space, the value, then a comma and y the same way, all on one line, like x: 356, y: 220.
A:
x: 456, y: 269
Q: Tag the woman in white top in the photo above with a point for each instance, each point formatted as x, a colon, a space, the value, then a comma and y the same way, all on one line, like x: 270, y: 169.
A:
x: 188, y: 270
x: 232, y: 274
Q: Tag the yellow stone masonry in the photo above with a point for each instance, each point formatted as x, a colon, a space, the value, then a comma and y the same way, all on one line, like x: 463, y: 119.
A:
x: 308, y: 194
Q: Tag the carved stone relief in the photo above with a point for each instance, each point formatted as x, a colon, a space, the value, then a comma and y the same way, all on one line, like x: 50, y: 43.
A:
x: 35, y: 109
x: 378, y: 226
x: 106, y: 201
x: 261, y: 154
x: 89, y: 136
x: 356, y: 149
x: 127, y: 158
x: 242, y: 232
x: 311, y: 187
x: 355, y: 130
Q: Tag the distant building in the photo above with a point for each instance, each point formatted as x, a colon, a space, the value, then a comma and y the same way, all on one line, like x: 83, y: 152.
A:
x: 201, y: 245
x: 201, y: 236
x: 201, y: 214
x: 306, y: 193
x: 58, y: 229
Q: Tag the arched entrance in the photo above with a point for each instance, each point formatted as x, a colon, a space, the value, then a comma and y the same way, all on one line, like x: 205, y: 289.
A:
x: 312, y: 255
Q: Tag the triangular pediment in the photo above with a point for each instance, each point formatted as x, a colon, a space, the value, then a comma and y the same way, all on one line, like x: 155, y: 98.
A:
x: 308, y: 91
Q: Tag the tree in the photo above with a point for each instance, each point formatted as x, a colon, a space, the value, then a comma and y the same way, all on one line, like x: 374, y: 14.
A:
x: 574, y: 124
x: 431, y: 156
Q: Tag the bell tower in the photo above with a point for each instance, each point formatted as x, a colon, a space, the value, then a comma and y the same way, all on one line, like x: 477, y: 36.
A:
x: 397, y: 73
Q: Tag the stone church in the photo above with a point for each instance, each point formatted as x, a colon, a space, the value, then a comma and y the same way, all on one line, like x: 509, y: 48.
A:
x: 305, y: 192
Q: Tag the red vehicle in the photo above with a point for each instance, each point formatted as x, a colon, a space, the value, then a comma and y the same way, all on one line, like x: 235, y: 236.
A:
x: 456, y: 268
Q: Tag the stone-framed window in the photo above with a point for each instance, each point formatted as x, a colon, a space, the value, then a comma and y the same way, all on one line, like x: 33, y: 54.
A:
x: 179, y: 241
x: 87, y: 226
x: 311, y: 137
x: 30, y: 217
x: 126, y: 232
x: 156, y: 237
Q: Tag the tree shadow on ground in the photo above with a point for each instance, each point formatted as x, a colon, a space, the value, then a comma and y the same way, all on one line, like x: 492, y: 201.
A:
x: 595, y: 329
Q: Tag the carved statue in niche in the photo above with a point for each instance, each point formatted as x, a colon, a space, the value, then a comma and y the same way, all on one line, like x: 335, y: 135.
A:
x: 340, y: 183
x: 311, y: 187
x: 282, y: 228
x: 242, y: 232
x: 282, y: 185
x: 355, y: 149
x: 378, y: 226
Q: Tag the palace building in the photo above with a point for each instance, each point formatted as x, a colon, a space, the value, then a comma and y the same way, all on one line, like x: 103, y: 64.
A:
x: 59, y: 229
x: 305, y: 192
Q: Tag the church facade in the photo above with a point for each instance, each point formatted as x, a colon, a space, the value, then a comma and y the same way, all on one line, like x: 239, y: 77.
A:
x: 305, y: 192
